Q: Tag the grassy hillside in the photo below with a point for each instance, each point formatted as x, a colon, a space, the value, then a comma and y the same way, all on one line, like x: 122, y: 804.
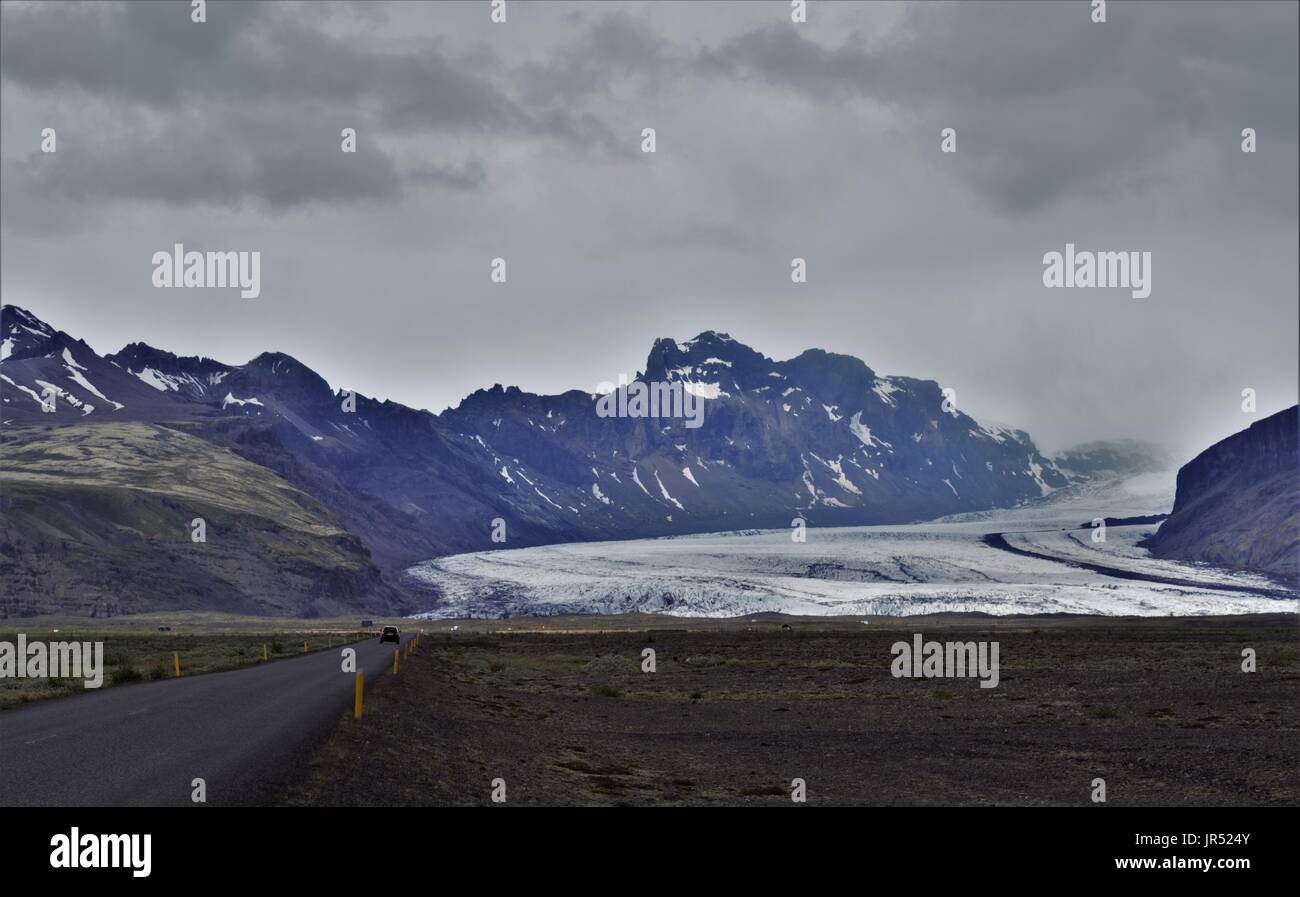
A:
x: 95, y: 520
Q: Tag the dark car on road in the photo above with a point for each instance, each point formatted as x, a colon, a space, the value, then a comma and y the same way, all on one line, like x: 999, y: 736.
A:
x: 390, y: 634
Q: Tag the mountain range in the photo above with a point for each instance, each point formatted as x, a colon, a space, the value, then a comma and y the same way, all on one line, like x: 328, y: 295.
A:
x: 1238, y: 502
x: 378, y: 486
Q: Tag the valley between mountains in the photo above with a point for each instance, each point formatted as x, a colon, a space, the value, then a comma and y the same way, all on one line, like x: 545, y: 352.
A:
x: 316, y: 502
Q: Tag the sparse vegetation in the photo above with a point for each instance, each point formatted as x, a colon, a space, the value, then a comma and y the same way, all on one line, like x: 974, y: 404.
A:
x: 126, y: 673
x: 119, y: 498
x: 608, y: 664
x: 135, y: 651
x: 551, y: 726
x: 764, y: 791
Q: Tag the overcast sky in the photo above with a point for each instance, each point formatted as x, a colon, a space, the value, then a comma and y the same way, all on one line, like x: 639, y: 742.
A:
x: 774, y: 140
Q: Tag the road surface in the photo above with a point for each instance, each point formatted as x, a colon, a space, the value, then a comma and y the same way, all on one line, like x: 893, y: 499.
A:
x: 242, y: 731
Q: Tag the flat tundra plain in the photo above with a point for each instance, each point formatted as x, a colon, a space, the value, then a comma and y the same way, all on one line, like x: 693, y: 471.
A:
x: 562, y: 712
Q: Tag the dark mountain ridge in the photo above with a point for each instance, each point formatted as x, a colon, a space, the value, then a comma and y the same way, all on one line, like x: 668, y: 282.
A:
x: 820, y: 436
x: 1238, y: 502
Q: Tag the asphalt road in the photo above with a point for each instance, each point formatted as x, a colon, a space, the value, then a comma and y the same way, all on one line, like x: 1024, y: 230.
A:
x: 242, y: 731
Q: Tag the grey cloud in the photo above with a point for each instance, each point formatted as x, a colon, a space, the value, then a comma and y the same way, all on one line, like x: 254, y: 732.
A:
x: 144, y: 52
x: 775, y: 140
x: 1044, y: 101
x: 469, y: 176
x: 615, y: 45
x: 230, y: 161
x: 252, y: 103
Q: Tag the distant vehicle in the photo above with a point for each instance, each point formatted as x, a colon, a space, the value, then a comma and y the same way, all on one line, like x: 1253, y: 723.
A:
x: 390, y: 634
x: 160, y: 629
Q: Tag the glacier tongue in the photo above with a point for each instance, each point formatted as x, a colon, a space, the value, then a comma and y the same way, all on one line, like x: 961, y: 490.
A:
x: 939, y: 567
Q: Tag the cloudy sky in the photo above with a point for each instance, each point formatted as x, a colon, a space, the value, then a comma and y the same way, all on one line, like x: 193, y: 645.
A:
x: 774, y: 140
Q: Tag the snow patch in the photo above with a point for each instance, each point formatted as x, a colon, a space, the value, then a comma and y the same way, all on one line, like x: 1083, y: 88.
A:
x: 704, y: 390
x: 861, y: 430
x: 885, y: 390
x: 665, y: 494
x: 548, y: 500
x: 636, y: 479
x: 231, y: 400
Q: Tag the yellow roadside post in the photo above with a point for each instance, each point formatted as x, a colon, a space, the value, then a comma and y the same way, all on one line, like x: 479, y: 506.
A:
x: 356, y: 703
x: 395, y: 653
x: 304, y: 647
x: 263, y: 652
x: 176, y: 659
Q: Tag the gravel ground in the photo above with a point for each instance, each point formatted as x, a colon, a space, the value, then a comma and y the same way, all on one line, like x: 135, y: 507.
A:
x: 736, y: 710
